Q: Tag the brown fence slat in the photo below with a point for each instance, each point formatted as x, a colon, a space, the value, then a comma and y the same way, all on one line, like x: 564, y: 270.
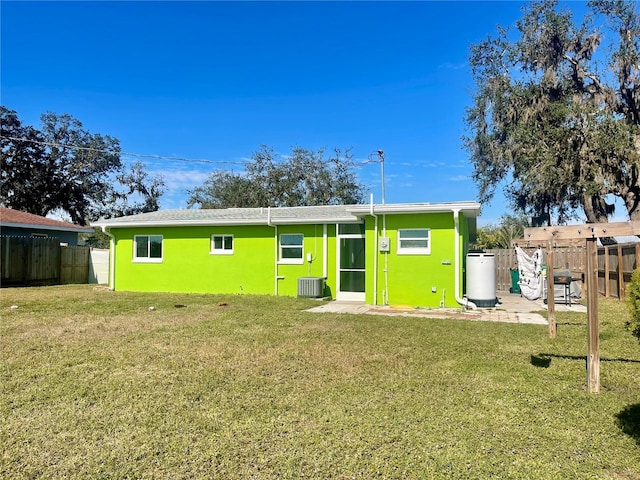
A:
x: 564, y: 257
x: 74, y: 265
x: 41, y: 261
x: 616, y: 264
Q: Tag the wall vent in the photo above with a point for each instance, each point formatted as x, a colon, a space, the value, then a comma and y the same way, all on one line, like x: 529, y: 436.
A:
x: 312, y: 287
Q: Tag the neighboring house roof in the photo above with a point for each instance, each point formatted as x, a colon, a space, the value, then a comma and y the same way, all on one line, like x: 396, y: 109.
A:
x: 281, y: 215
x: 17, y: 219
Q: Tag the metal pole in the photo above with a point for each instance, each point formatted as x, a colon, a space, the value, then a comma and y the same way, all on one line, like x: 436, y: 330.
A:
x: 381, y: 159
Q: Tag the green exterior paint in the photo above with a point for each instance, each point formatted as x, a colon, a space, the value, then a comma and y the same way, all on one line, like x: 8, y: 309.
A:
x: 188, y: 266
x: 464, y: 248
x: 254, y: 266
x: 410, y: 279
x: 313, y: 244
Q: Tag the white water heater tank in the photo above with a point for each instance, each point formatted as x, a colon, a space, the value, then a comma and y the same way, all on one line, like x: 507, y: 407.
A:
x: 481, y: 279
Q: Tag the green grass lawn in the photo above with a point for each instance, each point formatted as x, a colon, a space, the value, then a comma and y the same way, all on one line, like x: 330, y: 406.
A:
x: 94, y: 385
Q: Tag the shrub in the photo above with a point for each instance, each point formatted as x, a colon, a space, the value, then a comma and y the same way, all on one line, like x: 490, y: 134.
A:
x: 633, y: 300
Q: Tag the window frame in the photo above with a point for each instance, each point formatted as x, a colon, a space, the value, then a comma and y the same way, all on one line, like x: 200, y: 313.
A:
x: 291, y: 261
x: 148, y: 258
x: 400, y: 250
x: 222, y: 251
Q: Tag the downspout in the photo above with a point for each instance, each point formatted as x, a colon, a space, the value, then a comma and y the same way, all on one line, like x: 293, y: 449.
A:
x: 325, y: 260
x: 456, y: 241
x: 375, y: 252
x: 275, y: 253
x: 385, y: 295
x: 112, y: 258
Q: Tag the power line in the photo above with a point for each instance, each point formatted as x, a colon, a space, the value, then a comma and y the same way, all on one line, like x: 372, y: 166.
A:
x: 153, y: 156
x: 126, y: 154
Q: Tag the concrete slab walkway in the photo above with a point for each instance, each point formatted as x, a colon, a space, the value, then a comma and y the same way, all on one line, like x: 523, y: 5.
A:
x: 512, y: 309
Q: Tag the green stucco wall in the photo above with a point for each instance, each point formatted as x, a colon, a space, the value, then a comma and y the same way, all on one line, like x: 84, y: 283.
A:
x: 188, y: 266
x: 312, y: 245
x: 411, y: 279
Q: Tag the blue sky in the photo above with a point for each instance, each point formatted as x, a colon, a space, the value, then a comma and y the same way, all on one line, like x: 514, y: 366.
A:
x: 209, y: 80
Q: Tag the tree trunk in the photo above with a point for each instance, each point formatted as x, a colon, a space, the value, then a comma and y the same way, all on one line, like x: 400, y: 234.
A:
x: 595, y: 209
x: 631, y: 200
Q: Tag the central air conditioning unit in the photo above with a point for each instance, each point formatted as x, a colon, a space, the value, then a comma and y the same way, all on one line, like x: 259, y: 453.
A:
x: 311, y: 287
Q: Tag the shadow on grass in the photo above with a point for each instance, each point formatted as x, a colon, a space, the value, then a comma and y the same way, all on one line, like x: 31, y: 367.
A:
x: 539, y: 361
x: 543, y: 360
x: 629, y: 421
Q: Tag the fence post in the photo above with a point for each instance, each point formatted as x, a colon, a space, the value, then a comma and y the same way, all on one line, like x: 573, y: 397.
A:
x: 607, y: 287
x: 593, y: 341
x: 551, y: 301
x: 621, y: 292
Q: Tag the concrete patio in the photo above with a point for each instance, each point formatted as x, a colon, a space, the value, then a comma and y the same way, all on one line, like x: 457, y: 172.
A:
x: 512, y: 309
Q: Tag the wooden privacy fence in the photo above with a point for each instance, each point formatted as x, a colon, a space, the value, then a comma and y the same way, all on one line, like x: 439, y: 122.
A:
x: 616, y: 264
x: 564, y: 257
x: 41, y: 261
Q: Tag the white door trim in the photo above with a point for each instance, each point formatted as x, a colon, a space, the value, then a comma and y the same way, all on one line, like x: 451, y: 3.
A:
x: 340, y: 295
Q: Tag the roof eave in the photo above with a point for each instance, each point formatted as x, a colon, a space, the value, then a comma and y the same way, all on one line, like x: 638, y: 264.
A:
x: 34, y: 226
x: 219, y: 222
x: 178, y: 223
x: 313, y: 221
x: 466, y: 207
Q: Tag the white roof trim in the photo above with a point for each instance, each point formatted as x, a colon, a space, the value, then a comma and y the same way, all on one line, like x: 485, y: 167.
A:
x: 471, y: 207
x: 223, y: 222
x: 316, y: 221
x: 266, y: 216
x: 33, y: 226
x: 171, y: 223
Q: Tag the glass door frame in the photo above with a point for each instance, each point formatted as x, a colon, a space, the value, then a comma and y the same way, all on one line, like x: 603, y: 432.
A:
x: 340, y: 295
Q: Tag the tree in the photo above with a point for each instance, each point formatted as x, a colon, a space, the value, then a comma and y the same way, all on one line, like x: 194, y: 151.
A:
x: 63, y: 166
x: 510, y: 227
x: 550, y: 121
x: 97, y: 239
x: 133, y: 183
x: 21, y: 169
x: 302, y: 178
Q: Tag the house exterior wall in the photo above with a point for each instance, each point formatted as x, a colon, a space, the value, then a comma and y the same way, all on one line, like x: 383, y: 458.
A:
x: 410, y: 278
x: 313, y: 244
x: 70, y: 238
x: 188, y: 266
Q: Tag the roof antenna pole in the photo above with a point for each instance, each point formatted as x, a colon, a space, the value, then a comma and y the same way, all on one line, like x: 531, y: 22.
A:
x: 381, y: 160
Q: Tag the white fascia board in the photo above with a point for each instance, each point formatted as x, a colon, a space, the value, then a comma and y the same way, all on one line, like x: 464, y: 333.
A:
x: 178, y: 223
x: 313, y: 221
x: 213, y: 223
x: 47, y: 227
x: 466, y: 207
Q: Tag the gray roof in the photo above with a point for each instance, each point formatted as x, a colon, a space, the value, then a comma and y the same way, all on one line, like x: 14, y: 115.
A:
x: 277, y: 216
x: 237, y: 216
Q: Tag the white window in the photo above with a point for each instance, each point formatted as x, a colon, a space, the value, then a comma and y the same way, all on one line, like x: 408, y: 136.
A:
x: 222, y: 244
x: 414, y: 241
x: 147, y: 248
x: 291, y: 248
